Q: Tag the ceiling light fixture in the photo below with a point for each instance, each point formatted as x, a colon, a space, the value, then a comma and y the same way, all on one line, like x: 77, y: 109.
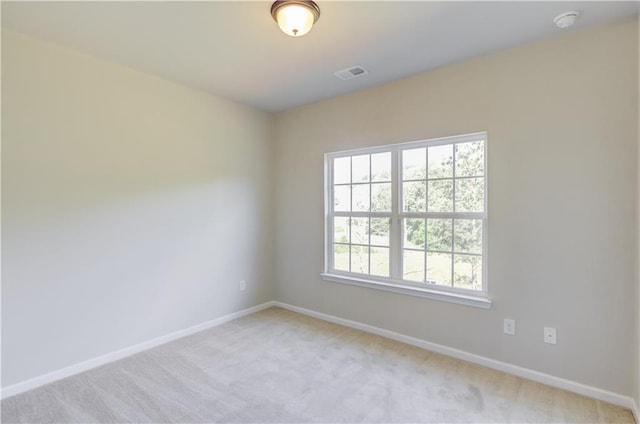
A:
x: 566, y: 19
x: 294, y: 17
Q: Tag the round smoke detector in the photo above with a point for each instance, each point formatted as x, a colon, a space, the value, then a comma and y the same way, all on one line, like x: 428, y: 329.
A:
x: 566, y: 19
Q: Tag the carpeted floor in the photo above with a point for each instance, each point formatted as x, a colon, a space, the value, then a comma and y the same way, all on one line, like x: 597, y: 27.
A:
x: 279, y: 366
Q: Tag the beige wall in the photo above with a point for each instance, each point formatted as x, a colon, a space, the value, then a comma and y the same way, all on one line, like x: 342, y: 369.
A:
x: 132, y: 207
x: 561, y: 117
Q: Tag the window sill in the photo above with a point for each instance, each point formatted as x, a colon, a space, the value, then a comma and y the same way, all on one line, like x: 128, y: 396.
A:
x: 479, y: 301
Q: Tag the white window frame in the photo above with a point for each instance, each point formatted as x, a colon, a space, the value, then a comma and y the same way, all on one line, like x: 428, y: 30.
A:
x: 394, y: 283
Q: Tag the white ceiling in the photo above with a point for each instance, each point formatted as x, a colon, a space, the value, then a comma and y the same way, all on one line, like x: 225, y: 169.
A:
x: 234, y: 49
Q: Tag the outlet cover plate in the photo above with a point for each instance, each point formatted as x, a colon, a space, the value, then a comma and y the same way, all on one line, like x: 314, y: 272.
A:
x: 510, y: 326
x: 550, y: 335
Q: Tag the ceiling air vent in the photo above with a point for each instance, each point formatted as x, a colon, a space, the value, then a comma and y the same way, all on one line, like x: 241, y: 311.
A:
x: 355, y: 71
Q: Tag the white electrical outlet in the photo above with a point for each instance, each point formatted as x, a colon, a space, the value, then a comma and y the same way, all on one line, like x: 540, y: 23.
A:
x: 550, y: 335
x: 510, y: 326
x: 243, y: 285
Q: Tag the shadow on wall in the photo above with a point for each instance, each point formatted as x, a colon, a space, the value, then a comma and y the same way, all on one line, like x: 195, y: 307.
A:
x: 151, y: 257
x: 132, y: 207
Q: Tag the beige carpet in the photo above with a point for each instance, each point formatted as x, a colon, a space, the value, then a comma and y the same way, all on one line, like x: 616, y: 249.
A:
x: 279, y: 366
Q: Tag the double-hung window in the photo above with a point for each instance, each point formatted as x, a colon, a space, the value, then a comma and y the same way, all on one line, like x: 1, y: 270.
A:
x: 410, y: 218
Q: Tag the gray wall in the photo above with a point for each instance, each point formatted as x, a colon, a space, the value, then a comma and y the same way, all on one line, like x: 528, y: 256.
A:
x: 561, y: 117
x: 132, y: 207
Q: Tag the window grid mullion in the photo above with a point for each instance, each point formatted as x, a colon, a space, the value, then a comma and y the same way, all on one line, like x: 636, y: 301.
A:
x: 453, y: 225
x: 350, y: 191
x: 443, y: 215
x: 350, y: 241
x: 369, y: 220
x: 332, y: 214
x: 351, y: 219
x: 395, y: 242
x: 426, y: 208
x: 361, y: 214
x: 453, y: 245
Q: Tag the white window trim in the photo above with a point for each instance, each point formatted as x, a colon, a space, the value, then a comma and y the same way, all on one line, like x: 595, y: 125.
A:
x: 479, y: 299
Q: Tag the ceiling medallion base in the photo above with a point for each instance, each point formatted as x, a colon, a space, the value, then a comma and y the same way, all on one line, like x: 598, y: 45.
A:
x: 295, y: 17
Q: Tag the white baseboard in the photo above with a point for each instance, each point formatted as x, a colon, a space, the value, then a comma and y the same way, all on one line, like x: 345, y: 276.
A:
x: 636, y: 411
x: 123, y: 353
x: 550, y: 380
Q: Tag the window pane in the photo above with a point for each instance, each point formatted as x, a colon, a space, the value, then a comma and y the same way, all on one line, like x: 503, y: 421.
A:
x: 468, y: 235
x: 380, y: 261
x: 414, y: 164
x: 470, y: 159
x: 360, y: 168
x: 381, y: 197
x: 360, y: 259
x: 439, y: 268
x: 470, y: 195
x: 381, y: 167
x: 342, y: 198
x: 380, y: 231
x: 413, y: 196
x: 341, y: 257
x: 467, y: 272
x: 341, y: 230
x: 439, y: 234
x: 342, y: 170
x: 440, y: 196
x: 361, y: 197
x: 360, y: 230
x: 414, y: 233
x: 413, y: 265
x: 441, y: 161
